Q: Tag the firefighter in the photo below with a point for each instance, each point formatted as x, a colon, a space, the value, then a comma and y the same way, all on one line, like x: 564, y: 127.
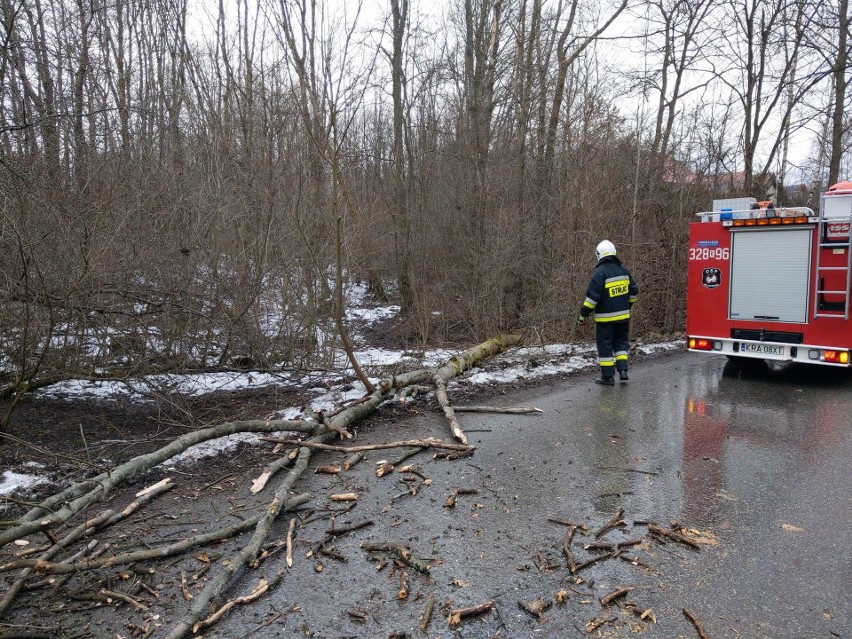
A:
x: 611, y: 293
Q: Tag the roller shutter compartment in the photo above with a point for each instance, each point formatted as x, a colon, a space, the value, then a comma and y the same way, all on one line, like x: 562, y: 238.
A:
x: 770, y: 274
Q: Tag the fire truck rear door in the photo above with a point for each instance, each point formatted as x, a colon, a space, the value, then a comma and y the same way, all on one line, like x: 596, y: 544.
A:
x: 770, y: 274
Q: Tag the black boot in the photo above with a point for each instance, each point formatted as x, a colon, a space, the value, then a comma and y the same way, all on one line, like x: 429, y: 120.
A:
x: 606, y: 381
x: 623, y: 376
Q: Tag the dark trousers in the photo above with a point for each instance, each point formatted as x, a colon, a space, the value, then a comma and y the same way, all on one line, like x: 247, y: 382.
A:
x: 613, y: 346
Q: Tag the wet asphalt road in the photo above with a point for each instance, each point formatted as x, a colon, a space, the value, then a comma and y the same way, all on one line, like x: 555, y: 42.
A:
x: 756, y: 461
x: 760, y: 458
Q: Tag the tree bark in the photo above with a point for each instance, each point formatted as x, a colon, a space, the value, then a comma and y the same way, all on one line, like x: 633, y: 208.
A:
x: 839, y: 110
x: 460, y: 363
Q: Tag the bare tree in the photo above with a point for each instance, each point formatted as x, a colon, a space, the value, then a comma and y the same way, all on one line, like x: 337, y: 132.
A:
x: 569, y: 48
x: 684, y: 29
x: 840, y: 70
x: 399, y: 210
x: 327, y: 97
x: 763, y: 41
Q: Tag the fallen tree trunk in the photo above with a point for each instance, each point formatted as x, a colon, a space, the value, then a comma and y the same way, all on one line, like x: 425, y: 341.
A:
x: 143, y: 555
x: 92, y: 491
x: 460, y: 363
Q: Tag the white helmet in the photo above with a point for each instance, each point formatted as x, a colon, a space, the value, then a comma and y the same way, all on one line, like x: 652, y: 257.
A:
x: 604, y: 248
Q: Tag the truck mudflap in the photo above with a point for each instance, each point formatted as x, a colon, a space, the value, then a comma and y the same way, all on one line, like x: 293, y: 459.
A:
x: 778, y: 351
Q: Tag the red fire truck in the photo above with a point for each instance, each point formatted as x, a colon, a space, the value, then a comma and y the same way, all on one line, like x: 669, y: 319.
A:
x: 772, y: 283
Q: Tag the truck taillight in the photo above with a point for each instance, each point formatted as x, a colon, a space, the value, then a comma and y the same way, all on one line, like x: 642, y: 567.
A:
x: 836, y: 357
x: 831, y: 357
x: 700, y: 344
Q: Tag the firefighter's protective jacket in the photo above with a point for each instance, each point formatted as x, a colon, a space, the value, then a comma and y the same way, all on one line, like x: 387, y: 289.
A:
x: 612, y: 291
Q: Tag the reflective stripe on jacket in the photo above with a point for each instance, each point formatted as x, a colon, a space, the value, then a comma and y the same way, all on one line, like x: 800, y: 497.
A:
x: 611, y: 293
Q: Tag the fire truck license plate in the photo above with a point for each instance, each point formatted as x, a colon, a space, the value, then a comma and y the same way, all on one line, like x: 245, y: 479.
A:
x: 763, y: 349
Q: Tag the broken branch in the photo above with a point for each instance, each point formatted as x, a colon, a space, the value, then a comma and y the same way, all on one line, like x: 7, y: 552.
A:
x: 562, y: 522
x: 327, y: 470
x: 595, y: 560
x: 337, y: 531
x: 460, y: 363
x: 597, y: 622
x: 422, y: 443
x: 352, y: 459
x: 451, y: 500
x: 51, y: 552
x: 141, y: 555
x: 79, y: 496
x: 426, y: 615
x: 262, y: 587
x: 698, y: 627
x: 403, y: 585
x: 387, y: 467
x: 612, y: 523
x: 663, y: 532
x: 535, y: 608
x: 463, y: 613
x: 243, y: 559
x: 618, y: 593
x: 403, y: 552
x: 289, y: 542
x: 519, y: 410
x: 566, y: 548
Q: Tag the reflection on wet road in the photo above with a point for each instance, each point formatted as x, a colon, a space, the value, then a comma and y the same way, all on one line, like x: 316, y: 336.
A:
x: 758, y: 434
x: 766, y: 464
x: 762, y: 458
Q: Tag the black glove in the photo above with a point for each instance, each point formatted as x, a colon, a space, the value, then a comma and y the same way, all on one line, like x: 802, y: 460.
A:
x: 581, y: 319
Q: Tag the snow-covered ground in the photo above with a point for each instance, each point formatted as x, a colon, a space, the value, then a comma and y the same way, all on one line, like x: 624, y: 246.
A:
x: 331, y: 390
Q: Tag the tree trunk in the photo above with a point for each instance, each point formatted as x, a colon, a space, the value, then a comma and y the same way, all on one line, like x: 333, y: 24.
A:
x: 840, y: 84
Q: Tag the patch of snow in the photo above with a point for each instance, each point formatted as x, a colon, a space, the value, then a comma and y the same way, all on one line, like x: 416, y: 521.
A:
x: 192, y: 385
x: 13, y: 481
x: 648, y: 349
x: 292, y: 412
x: 379, y: 357
x: 213, y: 448
x: 355, y: 294
x: 385, y: 357
x: 575, y: 363
x: 333, y: 399
x: 526, y: 353
x: 372, y: 314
